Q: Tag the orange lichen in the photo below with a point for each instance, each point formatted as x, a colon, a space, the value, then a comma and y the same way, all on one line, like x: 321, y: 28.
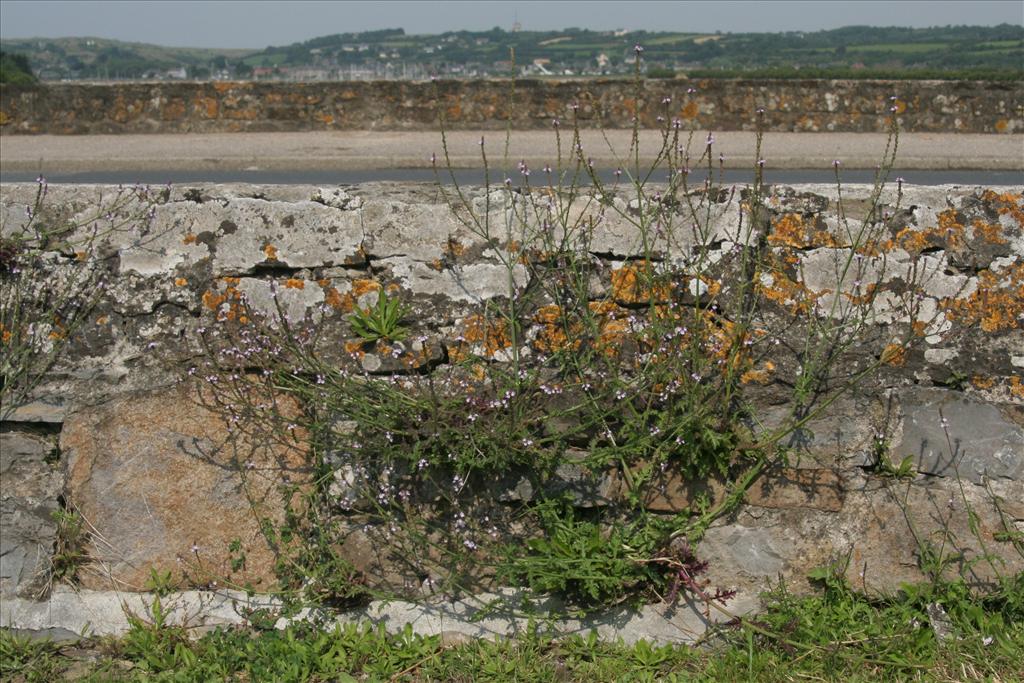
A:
x: 1016, y: 387
x: 980, y: 382
x: 363, y: 286
x: 270, y: 251
x: 1007, y: 203
x: 492, y: 336
x: 990, y: 232
x: 454, y: 248
x: 295, y: 283
x: 793, y: 295
x: 58, y: 331
x: 213, y: 301
x: 180, y: 282
x: 760, y: 376
x: 355, y: 348
x: 997, y: 304
x: 102, y: 320
x: 636, y: 283
x: 333, y: 298
x: 189, y: 239
x: 913, y: 241
x: 690, y: 110
x: 895, y: 355
x: 792, y: 231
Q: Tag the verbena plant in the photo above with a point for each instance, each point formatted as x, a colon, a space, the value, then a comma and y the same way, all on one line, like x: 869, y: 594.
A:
x: 630, y: 360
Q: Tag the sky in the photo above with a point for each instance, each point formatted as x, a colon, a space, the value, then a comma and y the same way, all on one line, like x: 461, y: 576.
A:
x: 257, y: 24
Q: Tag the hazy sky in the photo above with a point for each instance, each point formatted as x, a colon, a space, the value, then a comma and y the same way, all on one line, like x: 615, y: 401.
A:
x: 249, y: 23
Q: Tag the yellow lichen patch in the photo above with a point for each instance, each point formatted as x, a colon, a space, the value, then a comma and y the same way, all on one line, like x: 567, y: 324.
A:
x: 5, y: 335
x: 636, y: 283
x: 333, y: 298
x: 775, y: 286
x: 355, y: 348
x: 895, y: 355
x: 270, y: 251
x: 454, y: 248
x: 989, y: 232
x: 294, y: 283
x: 690, y: 110
x: 1016, y: 387
x: 980, y: 382
x: 189, y: 239
x: 58, y: 331
x: 714, y: 286
x: 874, y: 247
x: 102, y: 320
x: 213, y: 301
x: 951, y: 229
x: 792, y: 231
x: 492, y: 336
x: 612, y: 336
x: 231, y: 295
x: 363, y: 286
x: 913, y: 241
x: 180, y: 282
x: 548, y: 315
x: 918, y: 327
x: 761, y: 375
x: 997, y: 304
x: 1007, y: 203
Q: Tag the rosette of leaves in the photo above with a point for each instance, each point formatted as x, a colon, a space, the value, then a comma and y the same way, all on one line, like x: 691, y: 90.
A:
x: 382, y: 321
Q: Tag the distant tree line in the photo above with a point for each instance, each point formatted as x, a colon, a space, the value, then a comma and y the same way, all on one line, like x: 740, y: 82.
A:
x: 15, y: 69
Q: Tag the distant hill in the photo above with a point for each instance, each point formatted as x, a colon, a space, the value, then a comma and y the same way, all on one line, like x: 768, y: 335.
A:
x: 95, y: 58
x: 853, y: 51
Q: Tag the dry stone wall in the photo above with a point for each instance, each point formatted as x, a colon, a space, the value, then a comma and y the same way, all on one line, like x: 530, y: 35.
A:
x: 122, y: 429
x: 724, y: 104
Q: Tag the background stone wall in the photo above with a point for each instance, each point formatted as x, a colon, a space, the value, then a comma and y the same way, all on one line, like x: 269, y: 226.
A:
x: 116, y: 430
x: 790, y: 105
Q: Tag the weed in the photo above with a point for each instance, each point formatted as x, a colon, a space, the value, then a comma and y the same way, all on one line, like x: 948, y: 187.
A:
x: 634, y: 318
x: 382, y: 320
x: 69, y: 553
x: 25, y: 658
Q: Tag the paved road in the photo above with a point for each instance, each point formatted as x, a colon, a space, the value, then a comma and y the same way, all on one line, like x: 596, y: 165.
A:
x: 347, y: 151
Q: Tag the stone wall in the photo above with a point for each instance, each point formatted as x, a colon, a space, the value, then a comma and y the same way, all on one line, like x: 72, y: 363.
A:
x: 121, y: 427
x: 790, y: 105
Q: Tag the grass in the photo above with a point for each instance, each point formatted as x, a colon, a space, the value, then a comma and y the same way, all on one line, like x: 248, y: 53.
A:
x: 835, y: 634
